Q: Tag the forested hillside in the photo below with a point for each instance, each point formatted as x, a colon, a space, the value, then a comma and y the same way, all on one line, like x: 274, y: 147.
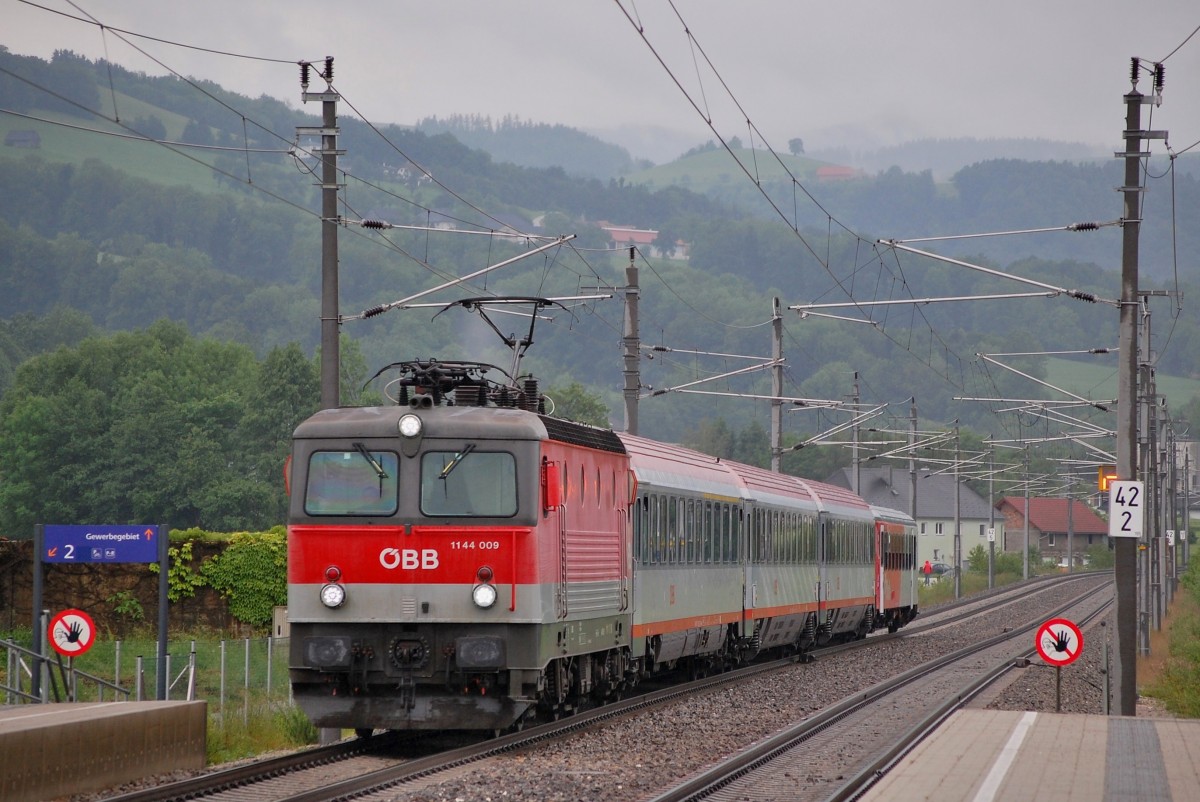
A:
x: 101, y: 235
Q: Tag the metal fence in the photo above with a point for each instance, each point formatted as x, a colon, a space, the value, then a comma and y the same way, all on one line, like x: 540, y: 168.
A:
x: 221, y: 672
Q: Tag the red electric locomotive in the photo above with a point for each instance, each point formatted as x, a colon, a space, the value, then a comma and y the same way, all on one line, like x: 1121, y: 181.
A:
x: 460, y: 560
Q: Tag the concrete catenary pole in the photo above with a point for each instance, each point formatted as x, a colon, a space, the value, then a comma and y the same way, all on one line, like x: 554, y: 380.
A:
x: 1124, y: 684
x: 328, y: 152
x: 776, y: 388
x: 632, y: 345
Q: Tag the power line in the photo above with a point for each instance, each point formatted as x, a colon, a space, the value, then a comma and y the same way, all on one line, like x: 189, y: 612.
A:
x: 94, y: 22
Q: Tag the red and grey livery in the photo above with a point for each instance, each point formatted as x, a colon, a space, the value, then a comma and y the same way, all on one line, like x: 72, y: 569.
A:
x: 462, y: 561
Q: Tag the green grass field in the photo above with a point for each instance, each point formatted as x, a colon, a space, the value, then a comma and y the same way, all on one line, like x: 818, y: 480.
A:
x: 1096, y: 379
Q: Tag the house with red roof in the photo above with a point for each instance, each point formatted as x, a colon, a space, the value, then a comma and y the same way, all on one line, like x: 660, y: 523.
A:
x: 646, y: 241
x: 1051, y: 522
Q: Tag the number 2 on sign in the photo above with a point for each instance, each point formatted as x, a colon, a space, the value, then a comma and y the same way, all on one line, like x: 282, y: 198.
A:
x: 1127, y: 496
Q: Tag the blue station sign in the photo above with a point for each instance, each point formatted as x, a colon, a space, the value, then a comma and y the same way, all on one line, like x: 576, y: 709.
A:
x: 87, y: 543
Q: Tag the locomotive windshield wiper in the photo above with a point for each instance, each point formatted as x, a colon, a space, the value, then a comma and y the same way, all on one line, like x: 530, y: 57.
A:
x: 452, y: 464
x: 379, y: 471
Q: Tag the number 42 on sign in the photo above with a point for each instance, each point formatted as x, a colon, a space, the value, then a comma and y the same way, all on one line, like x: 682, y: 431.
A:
x: 1126, y: 511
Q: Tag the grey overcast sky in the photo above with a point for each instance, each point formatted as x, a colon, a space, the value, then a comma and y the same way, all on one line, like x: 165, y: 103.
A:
x: 853, y: 73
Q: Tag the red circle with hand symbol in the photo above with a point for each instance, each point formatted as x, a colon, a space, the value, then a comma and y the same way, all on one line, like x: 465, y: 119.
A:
x: 72, y: 632
x: 1059, y: 641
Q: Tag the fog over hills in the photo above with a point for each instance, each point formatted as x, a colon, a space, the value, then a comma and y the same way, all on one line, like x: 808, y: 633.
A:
x: 866, y: 152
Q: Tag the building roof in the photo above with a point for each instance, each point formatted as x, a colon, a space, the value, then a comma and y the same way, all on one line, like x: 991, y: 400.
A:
x: 892, y: 487
x: 640, y: 236
x: 1050, y: 515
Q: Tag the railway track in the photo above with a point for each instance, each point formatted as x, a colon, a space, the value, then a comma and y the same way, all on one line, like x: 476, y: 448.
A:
x: 387, y: 765
x: 903, y: 709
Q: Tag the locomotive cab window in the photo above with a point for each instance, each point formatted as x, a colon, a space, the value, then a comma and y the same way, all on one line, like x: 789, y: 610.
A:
x: 355, y: 482
x: 469, y: 483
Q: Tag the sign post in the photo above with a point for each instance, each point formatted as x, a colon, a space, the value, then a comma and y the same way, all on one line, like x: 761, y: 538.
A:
x: 100, y: 543
x: 1058, y: 642
x: 71, y: 632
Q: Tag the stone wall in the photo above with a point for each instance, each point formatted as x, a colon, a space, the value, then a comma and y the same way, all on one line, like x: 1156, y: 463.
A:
x: 102, y: 589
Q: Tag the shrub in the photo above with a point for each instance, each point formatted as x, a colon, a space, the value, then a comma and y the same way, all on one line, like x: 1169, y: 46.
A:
x: 251, y: 574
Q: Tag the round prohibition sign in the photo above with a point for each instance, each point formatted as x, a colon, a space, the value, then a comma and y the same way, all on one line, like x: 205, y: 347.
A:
x: 1059, y: 641
x: 72, y: 632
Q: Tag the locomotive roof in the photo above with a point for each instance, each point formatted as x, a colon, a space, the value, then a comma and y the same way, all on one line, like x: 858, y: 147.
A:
x: 455, y: 422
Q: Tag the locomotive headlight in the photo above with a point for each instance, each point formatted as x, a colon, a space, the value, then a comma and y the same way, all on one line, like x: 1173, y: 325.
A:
x: 333, y: 595
x: 409, y: 425
x: 484, y: 595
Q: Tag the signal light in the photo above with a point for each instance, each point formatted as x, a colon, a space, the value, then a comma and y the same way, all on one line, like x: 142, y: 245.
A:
x: 1106, y: 474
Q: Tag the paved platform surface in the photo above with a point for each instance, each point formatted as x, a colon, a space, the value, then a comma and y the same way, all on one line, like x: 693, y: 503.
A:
x: 1015, y: 756
x: 53, y: 750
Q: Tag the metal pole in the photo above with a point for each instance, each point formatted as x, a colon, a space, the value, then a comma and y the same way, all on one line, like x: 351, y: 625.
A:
x: 1058, y: 689
x: 39, y: 549
x: 1187, y: 503
x: 912, y: 459
x: 856, y: 479
x: 957, y: 521
x: 246, y: 686
x: 992, y: 519
x: 632, y: 343
x: 776, y: 387
x: 163, y: 585
x: 44, y: 668
x: 1146, y: 471
x: 1070, y: 532
x: 1125, y: 666
x: 1025, y: 551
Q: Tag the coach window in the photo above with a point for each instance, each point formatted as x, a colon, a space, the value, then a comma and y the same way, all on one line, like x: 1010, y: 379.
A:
x: 661, y: 528
x: 469, y: 483
x: 641, y: 516
x: 688, y: 553
x: 356, y: 482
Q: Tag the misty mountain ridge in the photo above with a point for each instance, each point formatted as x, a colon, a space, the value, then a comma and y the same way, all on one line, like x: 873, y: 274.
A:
x: 622, y: 150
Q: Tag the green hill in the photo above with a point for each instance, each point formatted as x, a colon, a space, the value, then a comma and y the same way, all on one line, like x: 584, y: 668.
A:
x: 1097, y: 380
x: 712, y: 169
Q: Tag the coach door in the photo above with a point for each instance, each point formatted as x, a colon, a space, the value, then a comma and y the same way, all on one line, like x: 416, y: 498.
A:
x: 747, y: 553
x: 823, y: 552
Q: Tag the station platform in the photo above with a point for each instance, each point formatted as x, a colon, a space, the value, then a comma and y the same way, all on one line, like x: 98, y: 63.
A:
x: 1016, y: 756
x: 55, y: 750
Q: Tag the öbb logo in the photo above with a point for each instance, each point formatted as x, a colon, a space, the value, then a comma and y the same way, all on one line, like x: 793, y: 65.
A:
x: 409, y: 559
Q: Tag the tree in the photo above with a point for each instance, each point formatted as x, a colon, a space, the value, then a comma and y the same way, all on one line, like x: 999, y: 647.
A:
x: 151, y: 127
x: 977, y: 559
x: 796, y: 146
x: 575, y: 403
x: 197, y: 133
x: 150, y: 426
